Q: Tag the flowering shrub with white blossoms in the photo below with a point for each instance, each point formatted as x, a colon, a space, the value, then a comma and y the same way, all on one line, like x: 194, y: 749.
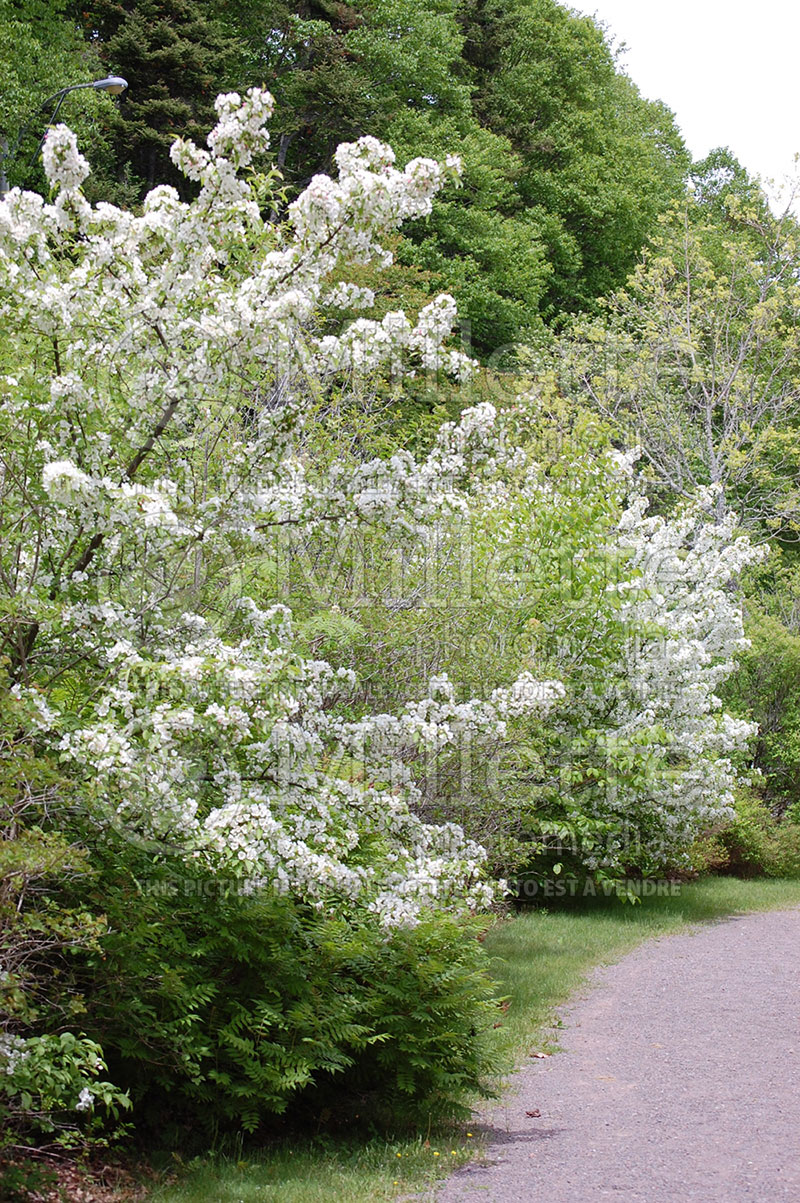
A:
x: 155, y: 432
x: 156, y: 427
x: 639, y: 616
x: 686, y: 628
x: 46, y: 1076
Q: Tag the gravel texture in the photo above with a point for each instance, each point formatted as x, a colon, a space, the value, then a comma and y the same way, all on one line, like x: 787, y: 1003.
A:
x: 679, y: 1080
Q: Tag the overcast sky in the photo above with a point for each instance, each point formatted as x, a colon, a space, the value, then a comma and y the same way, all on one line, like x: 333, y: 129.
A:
x: 728, y: 70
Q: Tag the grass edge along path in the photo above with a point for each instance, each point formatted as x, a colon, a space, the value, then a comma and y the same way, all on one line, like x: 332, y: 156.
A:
x: 540, y: 958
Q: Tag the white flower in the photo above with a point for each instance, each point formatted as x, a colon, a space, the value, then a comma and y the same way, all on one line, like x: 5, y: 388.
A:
x: 63, y: 479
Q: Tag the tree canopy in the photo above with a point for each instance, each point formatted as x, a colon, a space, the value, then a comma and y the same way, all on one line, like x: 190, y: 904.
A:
x: 695, y: 359
x: 566, y: 166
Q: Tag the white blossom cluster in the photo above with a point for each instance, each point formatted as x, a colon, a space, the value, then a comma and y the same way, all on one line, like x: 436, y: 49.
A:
x: 243, y: 767
x: 64, y: 165
x: 685, y: 622
x: 13, y: 1052
x: 664, y: 626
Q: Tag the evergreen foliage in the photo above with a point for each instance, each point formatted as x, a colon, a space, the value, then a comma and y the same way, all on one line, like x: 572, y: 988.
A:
x: 176, y: 57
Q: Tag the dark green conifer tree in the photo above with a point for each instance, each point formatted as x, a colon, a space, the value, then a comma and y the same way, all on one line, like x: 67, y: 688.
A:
x: 176, y: 55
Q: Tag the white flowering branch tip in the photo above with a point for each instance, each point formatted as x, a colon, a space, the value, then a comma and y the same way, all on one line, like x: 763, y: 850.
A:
x: 64, y: 165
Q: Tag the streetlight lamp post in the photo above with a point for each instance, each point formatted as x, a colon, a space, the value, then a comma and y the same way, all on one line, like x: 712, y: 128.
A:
x: 114, y: 84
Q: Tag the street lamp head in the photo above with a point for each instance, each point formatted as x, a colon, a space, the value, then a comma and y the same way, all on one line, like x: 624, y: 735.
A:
x: 114, y: 84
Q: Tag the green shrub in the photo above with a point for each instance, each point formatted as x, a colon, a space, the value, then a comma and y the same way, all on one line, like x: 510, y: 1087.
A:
x: 219, y: 1009
x: 783, y: 848
x: 50, y: 1082
x: 766, y: 688
x: 746, y: 838
x: 427, y: 992
x: 753, y: 844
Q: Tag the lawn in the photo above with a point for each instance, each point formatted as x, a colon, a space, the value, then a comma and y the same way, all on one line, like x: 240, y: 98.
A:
x: 540, y: 957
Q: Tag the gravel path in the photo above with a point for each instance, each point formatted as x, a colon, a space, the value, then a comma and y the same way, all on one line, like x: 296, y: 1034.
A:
x: 679, y: 1081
